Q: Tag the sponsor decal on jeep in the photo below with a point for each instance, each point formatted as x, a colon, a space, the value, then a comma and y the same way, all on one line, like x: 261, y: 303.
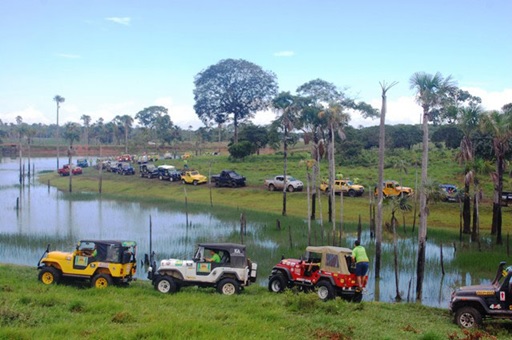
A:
x: 204, y: 267
x: 485, y: 292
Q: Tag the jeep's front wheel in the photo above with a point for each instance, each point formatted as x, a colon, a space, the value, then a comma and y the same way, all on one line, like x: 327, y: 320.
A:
x: 352, y: 193
x: 49, y: 275
x: 228, y: 287
x: 101, y: 281
x: 468, y: 317
x: 166, y: 285
x: 277, y: 283
x: 325, y: 291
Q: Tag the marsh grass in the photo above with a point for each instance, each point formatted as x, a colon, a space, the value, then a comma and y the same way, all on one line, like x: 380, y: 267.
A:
x: 31, y: 310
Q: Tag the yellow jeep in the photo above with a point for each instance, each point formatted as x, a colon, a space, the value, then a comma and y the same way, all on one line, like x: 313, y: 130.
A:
x: 102, y: 263
x: 392, y: 189
x: 193, y: 177
x: 345, y: 186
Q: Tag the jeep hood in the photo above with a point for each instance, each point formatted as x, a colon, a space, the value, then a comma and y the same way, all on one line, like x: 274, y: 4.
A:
x: 58, y: 255
x: 472, y: 290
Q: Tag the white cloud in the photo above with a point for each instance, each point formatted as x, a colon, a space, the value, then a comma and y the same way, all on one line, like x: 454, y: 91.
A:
x: 30, y: 115
x: 284, y: 54
x: 181, y: 115
x: 491, y: 100
x: 118, y: 20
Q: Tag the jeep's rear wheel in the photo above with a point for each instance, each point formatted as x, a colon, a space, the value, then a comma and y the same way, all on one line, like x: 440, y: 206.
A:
x: 49, y: 275
x: 228, y: 287
x: 277, y: 283
x: 101, y: 281
x: 325, y: 291
x: 166, y: 285
x: 468, y: 317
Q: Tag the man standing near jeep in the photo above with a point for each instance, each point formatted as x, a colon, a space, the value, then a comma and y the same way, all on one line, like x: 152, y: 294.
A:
x: 362, y: 263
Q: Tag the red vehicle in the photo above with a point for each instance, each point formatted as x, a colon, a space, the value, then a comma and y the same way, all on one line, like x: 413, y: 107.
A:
x: 326, y: 269
x: 64, y: 171
x: 124, y: 158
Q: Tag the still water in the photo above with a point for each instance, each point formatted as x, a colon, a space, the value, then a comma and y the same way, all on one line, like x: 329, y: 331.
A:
x: 33, y: 215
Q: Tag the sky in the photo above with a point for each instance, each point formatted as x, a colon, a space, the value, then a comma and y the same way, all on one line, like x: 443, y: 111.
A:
x: 117, y: 57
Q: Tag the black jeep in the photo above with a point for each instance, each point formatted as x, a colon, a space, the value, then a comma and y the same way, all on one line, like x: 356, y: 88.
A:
x: 470, y: 304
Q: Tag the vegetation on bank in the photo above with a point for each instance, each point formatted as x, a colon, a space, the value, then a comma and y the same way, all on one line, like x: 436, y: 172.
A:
x: 29, y: 309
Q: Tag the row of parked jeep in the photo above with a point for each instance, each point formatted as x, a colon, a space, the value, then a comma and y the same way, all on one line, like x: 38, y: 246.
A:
x: 223, y: 266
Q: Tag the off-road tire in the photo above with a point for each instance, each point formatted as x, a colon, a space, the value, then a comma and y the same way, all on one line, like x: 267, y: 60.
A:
x: 49, y: 275
x: 228, y: 287
x: 468, y: 317
x: 194, y: 182
x: 101, y: 281
x: 271, y: 187
x: 160, y: 178
x: 277, y: 283
x: 325, y: 291
x: 358, y: 297
x: 291, y: 188
x: 166, y: 285
x: 352, y: 193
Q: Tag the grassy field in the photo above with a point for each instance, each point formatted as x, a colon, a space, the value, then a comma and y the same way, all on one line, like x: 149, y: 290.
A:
x: 30, y: 310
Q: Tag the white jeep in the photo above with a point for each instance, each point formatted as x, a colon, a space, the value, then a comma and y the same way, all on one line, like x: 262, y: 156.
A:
x: 228, y: 276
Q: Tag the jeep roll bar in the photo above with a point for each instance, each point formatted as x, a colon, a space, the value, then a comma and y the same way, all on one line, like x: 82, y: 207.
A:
x: 499, y: 272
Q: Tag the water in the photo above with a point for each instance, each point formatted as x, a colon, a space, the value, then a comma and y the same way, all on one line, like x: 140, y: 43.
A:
x: 46, y: 215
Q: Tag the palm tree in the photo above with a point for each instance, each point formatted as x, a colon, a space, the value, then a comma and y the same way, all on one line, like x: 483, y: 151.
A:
x: 382, y: 143
x: 71, y: 134
x: 58, y: 99
x: 430, y: 94
x: 288, y: 107
x: 87, y: 123
x: 468, y: 122
x: 498, y: 126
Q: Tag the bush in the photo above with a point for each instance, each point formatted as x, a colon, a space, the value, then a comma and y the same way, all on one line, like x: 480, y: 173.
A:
x: 240, y: 150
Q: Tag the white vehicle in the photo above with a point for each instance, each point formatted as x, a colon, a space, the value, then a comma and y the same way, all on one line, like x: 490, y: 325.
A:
x: 278, y: 183
x: 228, y: 276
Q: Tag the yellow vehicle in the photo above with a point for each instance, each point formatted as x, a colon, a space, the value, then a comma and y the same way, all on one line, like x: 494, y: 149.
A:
x: 393, y: 189
x: 193, y: 177
x: 345, y: 186
x: 102, y: 263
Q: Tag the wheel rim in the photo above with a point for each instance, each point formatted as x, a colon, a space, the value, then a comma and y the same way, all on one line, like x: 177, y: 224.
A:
x: 228, y: 289
x: 323, y: 292
x: 276, y: 286
x: 47, y: 278
x: 467, y: 320
x: 164, y: 286
x: 101, y: 282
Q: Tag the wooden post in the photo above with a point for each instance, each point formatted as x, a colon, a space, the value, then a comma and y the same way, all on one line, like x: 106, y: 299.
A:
x: 441, y: 256
x: 290, y: 236
x: 359, y: 228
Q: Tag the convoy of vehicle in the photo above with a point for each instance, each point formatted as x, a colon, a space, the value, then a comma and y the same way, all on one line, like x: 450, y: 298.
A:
x: 471, y: 304
x: 228, y: 276
x: 193, y: 177
x: 345, y: 186
x: 394, y: 189
x: 326, y: 269
x: 99, y: 262
x: 228, y: 178
x: 280, y: 182
x: 64, y: 171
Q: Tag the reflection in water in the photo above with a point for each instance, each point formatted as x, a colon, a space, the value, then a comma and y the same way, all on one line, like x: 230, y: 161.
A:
x: 49, y: 216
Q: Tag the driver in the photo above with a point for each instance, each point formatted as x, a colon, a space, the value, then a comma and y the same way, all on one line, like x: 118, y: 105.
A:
x: 214, y: 257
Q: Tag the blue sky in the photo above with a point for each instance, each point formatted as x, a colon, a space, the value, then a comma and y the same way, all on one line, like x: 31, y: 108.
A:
x: 109, y: 58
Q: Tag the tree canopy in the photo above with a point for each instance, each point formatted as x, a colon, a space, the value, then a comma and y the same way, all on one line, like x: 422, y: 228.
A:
x: 233, y: 89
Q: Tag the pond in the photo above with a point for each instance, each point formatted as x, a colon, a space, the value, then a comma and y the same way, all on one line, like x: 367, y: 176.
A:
x: 34, y: 214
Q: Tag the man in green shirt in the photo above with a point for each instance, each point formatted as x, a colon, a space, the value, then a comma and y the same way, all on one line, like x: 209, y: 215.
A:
x: 214, y: 257
x: 362, y: 263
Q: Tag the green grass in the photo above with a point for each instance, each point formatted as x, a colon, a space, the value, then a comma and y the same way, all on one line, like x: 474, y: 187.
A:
x: 29, y: 309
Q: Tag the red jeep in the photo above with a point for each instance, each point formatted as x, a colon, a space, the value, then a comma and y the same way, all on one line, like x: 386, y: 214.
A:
x: 326, y: 269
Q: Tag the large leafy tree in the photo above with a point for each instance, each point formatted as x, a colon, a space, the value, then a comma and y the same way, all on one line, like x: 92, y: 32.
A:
x: 233, y: 89
x: 431, y: 93
x: 149, y: 119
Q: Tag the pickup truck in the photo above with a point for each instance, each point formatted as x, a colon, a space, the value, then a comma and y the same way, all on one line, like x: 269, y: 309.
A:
x: 228, y: 178
x: 393, y: 189
x: 278, y: 183
x: 345, y: 186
